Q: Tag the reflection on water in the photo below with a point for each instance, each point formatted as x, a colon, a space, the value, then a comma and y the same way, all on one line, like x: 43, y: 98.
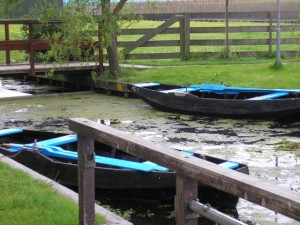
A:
x: 271, y: 149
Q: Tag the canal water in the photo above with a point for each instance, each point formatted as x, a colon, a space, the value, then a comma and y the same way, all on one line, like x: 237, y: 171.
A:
x: 271, y: 149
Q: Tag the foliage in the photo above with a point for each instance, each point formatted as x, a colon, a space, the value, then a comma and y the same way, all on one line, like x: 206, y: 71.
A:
x: 7, y: 5
x: 77, y: 44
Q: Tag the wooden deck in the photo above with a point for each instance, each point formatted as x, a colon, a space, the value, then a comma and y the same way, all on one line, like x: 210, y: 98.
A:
x: 22, y: 69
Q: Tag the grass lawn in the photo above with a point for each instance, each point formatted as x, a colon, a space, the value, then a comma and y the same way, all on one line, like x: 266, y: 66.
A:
x: 261, y: 75
x: 28, y: 201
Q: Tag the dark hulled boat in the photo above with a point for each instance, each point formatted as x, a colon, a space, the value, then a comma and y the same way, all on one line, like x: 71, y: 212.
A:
x: 116, y: 172
x: 220, y: 100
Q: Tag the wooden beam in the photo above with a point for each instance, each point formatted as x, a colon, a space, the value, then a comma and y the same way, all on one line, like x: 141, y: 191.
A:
x: 86, y: 180
x: 185, y: 36
x: 249, y: 188
x: 151, y: 34
x: 186, y: 191
x: 6, y: 30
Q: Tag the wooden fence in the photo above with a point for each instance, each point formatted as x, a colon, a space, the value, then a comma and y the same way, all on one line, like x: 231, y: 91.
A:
x: 189, y: 170
x: 30, y: 44
x: 186, y: 45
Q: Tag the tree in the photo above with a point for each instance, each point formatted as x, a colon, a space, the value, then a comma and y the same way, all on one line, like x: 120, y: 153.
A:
x: 7, y: 5
x: 78, y: 19
x: 21, y: 8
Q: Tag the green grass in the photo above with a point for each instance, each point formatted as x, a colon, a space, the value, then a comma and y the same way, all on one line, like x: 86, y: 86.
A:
x: 28, y: 201
x: 246, y: 75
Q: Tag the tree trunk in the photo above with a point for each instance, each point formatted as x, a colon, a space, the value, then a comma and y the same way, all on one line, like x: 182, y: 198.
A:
x: 112, y: 52
x: 112, y: 49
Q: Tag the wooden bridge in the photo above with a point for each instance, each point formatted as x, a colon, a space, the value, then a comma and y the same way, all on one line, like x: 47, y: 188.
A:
x: 189, y: 171
x: 31, y: 45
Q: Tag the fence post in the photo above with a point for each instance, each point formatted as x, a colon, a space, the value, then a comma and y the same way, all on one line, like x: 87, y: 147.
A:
x: 100, y: 49
x: 186, y: 191
x: 86, y: 180
x: 185, y: 36
x: 6, y: 28
x: 31, y: 50
x: 270, y: 33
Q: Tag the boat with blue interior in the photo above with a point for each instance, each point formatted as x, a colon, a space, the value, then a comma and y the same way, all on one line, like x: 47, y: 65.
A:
x: 54, y: 155
x: 221, y: 100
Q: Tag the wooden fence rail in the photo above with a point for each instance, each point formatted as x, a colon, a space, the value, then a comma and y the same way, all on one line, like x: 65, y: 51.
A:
x: 29, y: 44
x: 189, y: 170
x: 192, y: 47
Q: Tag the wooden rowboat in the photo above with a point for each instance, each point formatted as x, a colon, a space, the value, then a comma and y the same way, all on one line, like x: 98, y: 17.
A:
x: 220, y: 100
x: 54, y: 155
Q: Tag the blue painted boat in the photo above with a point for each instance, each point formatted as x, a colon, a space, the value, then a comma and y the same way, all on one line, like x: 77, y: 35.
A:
x: 54, y: 155
x: 221, y: 100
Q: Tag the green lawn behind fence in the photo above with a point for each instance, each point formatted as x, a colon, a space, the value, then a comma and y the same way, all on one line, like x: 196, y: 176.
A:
x: 262, y: 75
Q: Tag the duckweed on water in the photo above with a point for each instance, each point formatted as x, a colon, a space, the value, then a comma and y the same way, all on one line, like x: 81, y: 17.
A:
x: 289, y: 146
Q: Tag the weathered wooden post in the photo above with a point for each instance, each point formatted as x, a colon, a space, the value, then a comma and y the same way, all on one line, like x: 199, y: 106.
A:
x: 270, y: 33
x: 186, y: 191
x: 6, y: 27
x: 100, y: 49
x: 86, y: 180
x: 31, y: 50
x: 185, y: 36
x: 227, y: 29
x: 278, y: 37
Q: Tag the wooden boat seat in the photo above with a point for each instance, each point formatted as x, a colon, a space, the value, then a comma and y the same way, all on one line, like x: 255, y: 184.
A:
x: 187, y: 89
x: 5, y: 132
x: 61, y: 153
x: 70, y: 138
x: 145, y: 85
x: 229, y: 165
x: 270, y: 96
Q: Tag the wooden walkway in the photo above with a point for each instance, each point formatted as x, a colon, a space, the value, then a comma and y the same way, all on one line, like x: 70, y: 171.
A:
x: 24, y: 69
x: 21, y: 69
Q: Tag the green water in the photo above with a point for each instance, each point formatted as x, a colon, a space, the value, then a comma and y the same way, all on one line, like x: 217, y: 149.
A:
x: 256, y: 143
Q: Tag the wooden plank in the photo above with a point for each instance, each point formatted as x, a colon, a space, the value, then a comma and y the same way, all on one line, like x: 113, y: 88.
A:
x: 252, y: 16
x: 86, y: 180
x: 154, y: 56
x: 152, y: 43
x: 151, y: 34
x: 252, y: 189
x: 186, y: 191
x: 143, y: 31
x: 185, y: 36
x: 7, y: 53
x: 243, y: 29
x: 250, y: 29
x: 216, y: 42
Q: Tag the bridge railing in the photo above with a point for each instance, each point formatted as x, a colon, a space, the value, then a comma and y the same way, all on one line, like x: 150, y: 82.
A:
x: 29, y: 44
x: 189, y: 171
